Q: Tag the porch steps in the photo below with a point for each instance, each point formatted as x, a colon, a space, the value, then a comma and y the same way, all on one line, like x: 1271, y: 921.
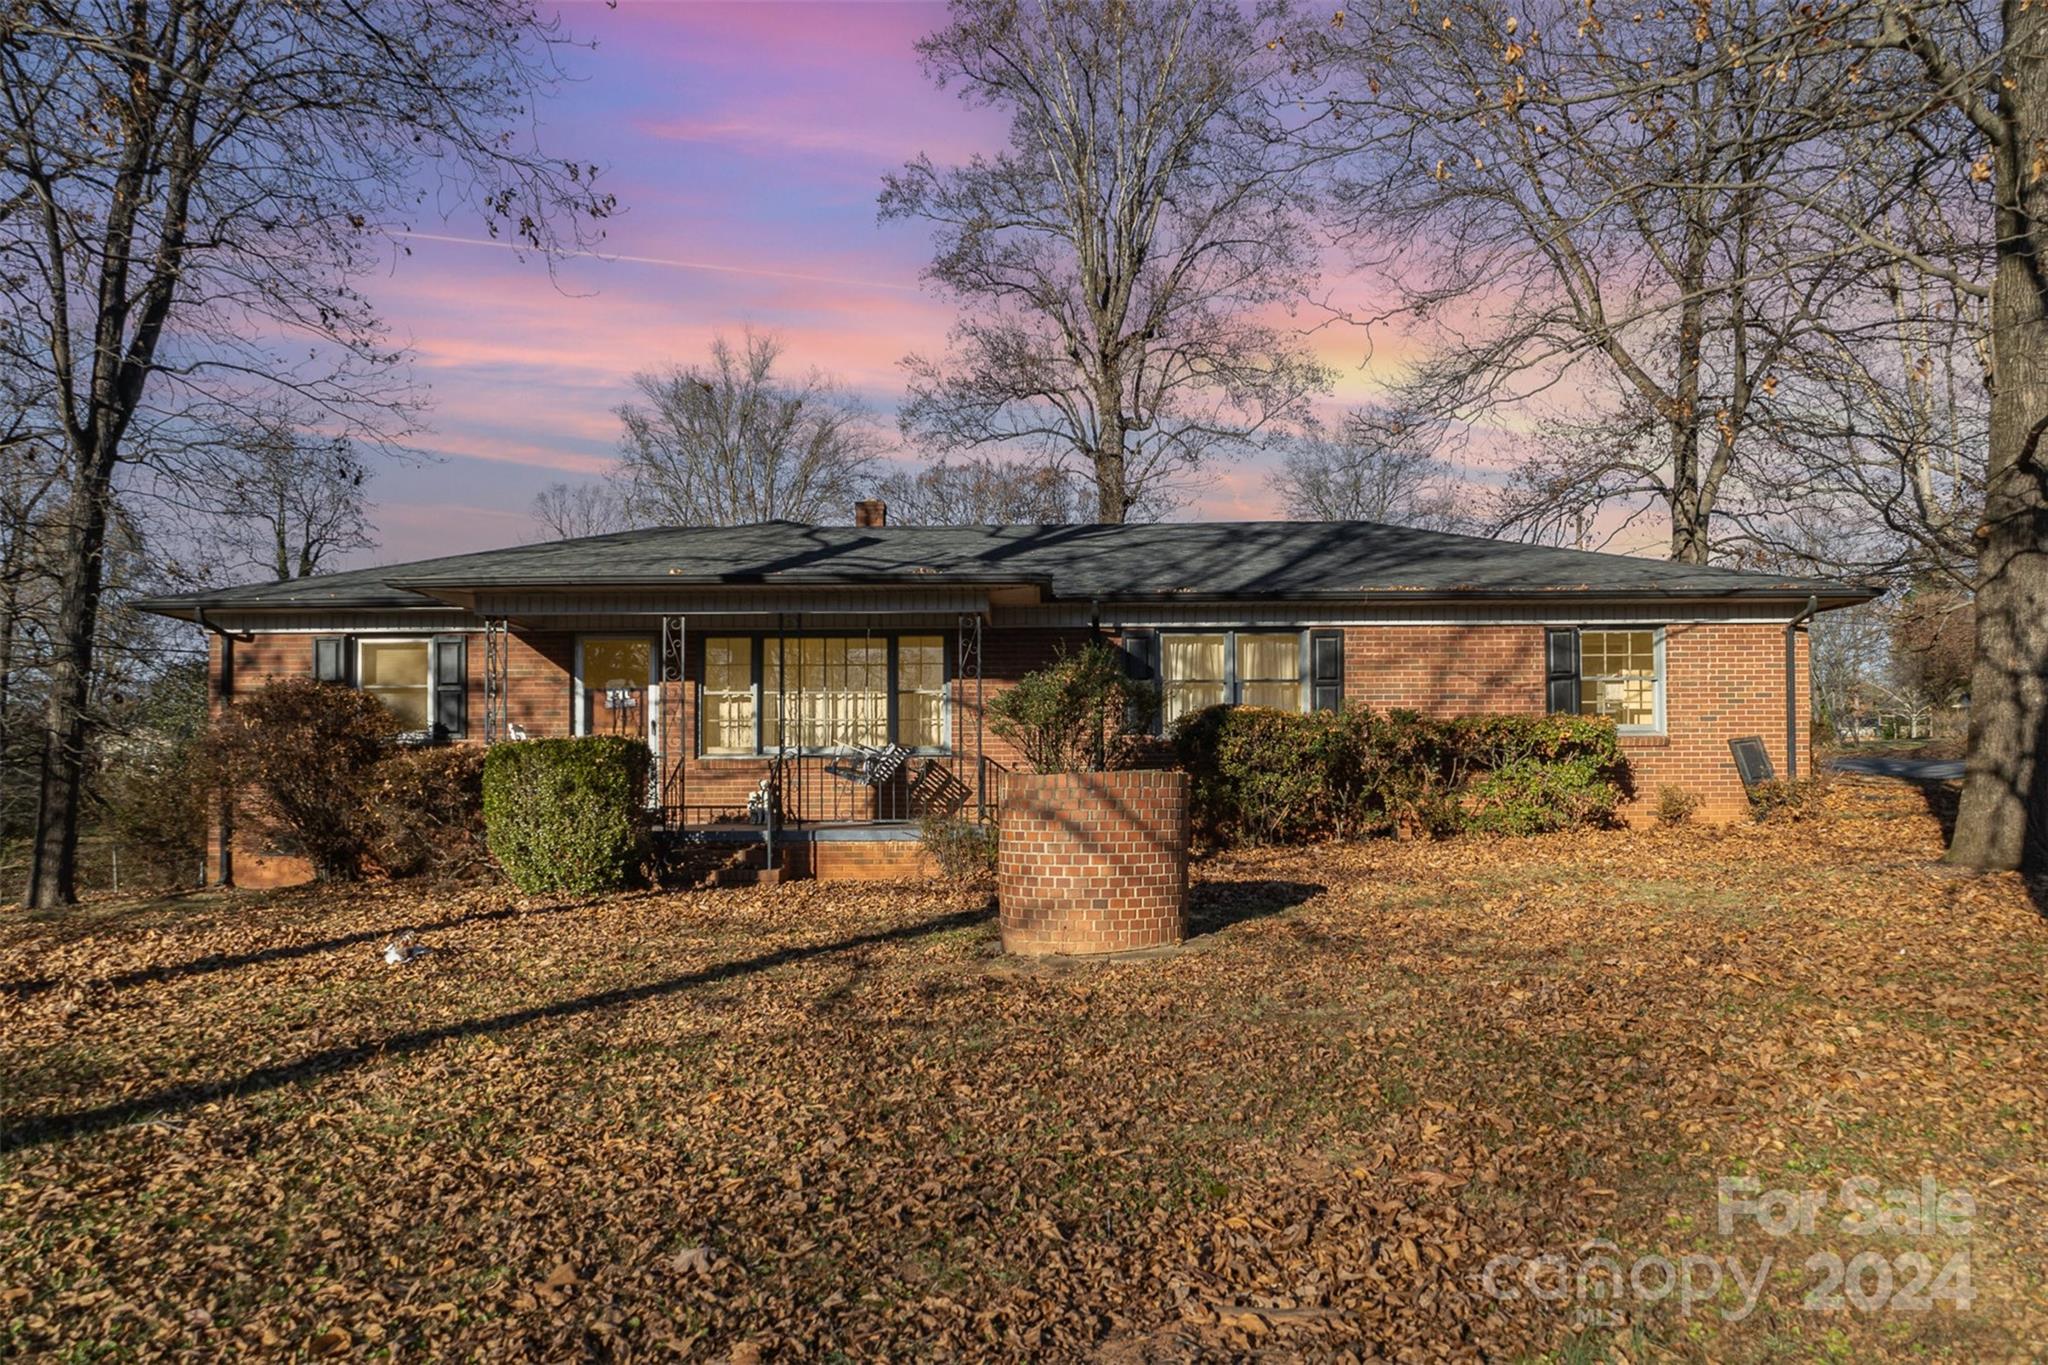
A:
x: 704, y: 867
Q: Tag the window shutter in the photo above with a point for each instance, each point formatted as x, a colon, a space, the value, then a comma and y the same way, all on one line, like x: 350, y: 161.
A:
x: 330, y: 658
x: 451, y: 686
x: 1326, y: 670
x: 1141, y: 664
x: 1561, y: 652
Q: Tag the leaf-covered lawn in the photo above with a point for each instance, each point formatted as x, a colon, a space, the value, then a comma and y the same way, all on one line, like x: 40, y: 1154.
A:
x: 831, y: 1121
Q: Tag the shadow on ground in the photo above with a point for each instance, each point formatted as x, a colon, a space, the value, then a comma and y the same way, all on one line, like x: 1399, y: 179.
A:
x: 285, y: 952
x: 176, y: 1099
x: 1216, y: 906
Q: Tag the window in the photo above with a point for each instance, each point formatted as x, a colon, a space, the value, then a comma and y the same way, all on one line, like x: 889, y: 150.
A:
x: 1621, y: 676
x: 726, y: 705
x: 921, y: 692
x: 1269, y: 671
x: 1249, y: 668
x: 824, y: 692
x: 821, y: 692
x: 1196, y: 676
x: 398, y: 673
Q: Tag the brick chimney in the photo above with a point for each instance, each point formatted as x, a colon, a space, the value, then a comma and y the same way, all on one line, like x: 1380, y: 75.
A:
x: 871, y: 512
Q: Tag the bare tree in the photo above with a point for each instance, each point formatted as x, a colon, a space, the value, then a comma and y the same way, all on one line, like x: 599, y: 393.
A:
x: 187, y: 183
x: 565, y: 511
x: 735, y: 442
x: 1988, y: 72
x: 1572, y: 207
x: 980, y: 491
x: 289, y: 502
x: 1119, y: 265
x: 1369, y: 472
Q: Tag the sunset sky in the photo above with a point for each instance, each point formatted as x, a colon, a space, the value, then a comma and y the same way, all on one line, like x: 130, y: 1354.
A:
x: 746, y: 143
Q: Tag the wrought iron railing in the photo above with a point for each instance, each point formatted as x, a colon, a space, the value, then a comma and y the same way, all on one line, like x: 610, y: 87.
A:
x: 828, y: 789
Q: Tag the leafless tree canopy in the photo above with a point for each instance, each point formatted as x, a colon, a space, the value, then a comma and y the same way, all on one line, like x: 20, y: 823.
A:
x: 983, y: 491
x: 1120, y: 263
x: 286, y: 503
x: 1615, y: 233
x: 187, y: 190
x: 735, y: 442
x: 566, y: 511
x: 1370, y: 470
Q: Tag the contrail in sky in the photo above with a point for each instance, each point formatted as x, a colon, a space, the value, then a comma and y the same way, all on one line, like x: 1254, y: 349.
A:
x: 674, y: 264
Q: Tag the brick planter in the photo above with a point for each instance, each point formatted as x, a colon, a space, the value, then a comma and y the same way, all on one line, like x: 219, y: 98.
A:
x: 1093, y: 862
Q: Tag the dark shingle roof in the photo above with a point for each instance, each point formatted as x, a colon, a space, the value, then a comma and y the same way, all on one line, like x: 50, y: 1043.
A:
x: 1272, y: 559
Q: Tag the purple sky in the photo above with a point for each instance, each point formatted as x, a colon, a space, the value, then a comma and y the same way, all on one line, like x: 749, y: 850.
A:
x: 746, y: 143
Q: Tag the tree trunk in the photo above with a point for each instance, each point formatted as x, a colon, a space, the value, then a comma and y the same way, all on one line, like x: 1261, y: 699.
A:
x: 2003, y: 817
x: 1112, y: 470
x: 53, y: 857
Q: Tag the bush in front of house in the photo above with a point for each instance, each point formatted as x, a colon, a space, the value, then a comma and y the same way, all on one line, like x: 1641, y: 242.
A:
x: 1273, y: 777
x: 568, y: 814
x: 964, y: 848
x: 305, y: 751
x: 1786, y: 799
x: 1080, y: 713
x: 427, y: 806
x: 1265, y: 776
x: 1676, y: 805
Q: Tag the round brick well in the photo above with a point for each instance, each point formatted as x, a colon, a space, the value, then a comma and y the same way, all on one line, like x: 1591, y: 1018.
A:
x: 1093, y: 862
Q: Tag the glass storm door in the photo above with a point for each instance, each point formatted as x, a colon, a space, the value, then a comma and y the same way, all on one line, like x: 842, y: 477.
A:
x: 615, y: 688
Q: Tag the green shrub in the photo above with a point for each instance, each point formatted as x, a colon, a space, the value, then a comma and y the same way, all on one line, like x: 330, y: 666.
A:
x: 1263, y: 776
x: 303, y: 751
x: 1676, y: 805
x: 1540, y: 796
x: 428, y: 809
x: 964, y: 849
x: 567, y: 814
x: 1080, y: 713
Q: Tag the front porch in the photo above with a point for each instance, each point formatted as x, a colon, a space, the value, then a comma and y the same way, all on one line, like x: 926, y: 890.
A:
x: 787, y: 727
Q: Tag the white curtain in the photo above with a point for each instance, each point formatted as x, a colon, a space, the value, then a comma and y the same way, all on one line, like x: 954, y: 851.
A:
x: 1193, y: 666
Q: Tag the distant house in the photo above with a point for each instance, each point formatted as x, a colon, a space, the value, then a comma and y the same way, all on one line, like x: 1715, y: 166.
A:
x: 847, y: 667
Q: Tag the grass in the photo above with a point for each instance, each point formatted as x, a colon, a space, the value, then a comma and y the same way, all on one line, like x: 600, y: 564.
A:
x: 822, y: 1120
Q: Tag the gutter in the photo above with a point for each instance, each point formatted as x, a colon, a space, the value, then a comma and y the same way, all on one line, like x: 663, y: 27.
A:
x: 1806, y: 613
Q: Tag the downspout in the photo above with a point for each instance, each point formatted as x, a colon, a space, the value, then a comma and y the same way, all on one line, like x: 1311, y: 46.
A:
x: 1806, y: 613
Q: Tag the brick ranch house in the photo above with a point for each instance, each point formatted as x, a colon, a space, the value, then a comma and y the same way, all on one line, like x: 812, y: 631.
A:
x: 839, y: 674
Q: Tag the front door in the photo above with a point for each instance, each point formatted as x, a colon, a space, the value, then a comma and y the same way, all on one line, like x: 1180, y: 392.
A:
x: 615, y: 692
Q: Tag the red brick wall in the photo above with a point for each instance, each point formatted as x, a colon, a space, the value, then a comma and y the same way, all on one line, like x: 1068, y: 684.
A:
x: 1721, y: 682
x: 1094, y: 862
x: 862, y: 860
x: 1445, y: 670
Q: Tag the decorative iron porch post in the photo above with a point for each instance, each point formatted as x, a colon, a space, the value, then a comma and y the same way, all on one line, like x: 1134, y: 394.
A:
x: 497, y: 678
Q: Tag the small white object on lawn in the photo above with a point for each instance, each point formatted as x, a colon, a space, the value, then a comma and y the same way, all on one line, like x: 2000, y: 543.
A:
x: 402, y: 950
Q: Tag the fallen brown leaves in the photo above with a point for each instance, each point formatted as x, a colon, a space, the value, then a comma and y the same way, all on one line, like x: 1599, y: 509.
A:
x: 760, y: 1124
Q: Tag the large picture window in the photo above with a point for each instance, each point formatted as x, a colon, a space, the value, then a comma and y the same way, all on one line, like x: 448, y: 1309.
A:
x: 1247, y: 668
x: 821, y: 693
x: 824, y: 692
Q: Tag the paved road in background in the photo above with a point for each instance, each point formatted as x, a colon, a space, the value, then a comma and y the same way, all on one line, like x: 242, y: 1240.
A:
x: 1908, y: 769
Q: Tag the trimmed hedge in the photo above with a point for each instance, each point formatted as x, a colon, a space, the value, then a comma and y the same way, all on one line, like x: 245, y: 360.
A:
x: 568, y: 814
x: 1265, y: 776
